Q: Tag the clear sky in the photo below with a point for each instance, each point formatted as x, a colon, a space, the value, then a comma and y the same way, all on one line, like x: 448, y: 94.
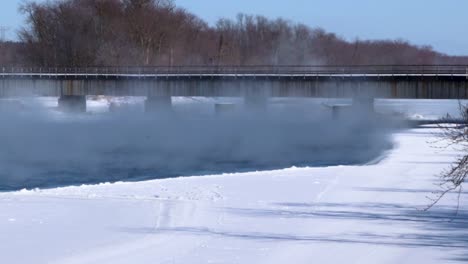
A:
x: 441, y: 24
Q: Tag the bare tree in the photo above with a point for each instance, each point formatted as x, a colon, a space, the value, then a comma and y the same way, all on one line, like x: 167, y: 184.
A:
x: 453, y: 178
x: 77, y: 33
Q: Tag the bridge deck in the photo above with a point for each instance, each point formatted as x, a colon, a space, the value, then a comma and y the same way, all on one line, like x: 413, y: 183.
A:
x: 381, y: 81
x: 221, y: 75
x: 344, y: 71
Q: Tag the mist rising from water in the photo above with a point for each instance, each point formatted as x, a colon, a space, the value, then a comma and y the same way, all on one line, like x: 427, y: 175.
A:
x: 40, y: 149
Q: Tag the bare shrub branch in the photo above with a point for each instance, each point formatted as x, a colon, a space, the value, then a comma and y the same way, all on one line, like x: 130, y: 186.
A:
x: 453, y: 178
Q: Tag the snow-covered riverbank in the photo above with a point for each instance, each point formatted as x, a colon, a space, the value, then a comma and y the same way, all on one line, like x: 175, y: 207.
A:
x: 343, y: 214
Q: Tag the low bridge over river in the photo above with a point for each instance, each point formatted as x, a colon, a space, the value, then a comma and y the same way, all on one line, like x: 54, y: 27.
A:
x: 159, y: 84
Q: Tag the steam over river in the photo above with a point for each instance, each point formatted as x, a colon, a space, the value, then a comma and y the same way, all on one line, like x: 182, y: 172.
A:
x: 43, y: 149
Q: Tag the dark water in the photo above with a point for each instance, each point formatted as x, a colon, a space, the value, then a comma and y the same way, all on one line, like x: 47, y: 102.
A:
x: 40, y: 150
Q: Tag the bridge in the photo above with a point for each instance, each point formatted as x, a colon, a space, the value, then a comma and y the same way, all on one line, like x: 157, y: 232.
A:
x: 254, y: 83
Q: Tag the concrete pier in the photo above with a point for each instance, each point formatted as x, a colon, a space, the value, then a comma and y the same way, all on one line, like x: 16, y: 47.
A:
x: 364, y: 104
x: 256, y: 97
x: 72, y: 103
x: 11, y: 105
x: 256, y: 102
x: 223, y: 109
x: 339, y: 111
x: 158, y: 104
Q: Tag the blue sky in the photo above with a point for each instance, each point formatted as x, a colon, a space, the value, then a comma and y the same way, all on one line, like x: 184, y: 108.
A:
x: 441, y: 24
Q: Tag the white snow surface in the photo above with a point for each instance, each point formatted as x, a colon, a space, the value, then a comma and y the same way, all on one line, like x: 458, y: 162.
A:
x: 343, y: 214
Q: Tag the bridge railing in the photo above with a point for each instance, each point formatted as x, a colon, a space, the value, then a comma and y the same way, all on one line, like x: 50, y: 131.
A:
x: 237, y: 70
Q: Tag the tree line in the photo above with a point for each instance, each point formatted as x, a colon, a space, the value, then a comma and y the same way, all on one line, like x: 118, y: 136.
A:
x: 84, y: 33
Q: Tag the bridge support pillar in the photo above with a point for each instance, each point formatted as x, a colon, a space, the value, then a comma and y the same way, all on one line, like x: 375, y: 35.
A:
x: 256, y: 102
x: 339, y: 111
x: 72, y: 103
x: 7, y: 105
x: 256, y: 96
x: 364, y: 104
x: 224, y: 109
x: 158, y: 104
